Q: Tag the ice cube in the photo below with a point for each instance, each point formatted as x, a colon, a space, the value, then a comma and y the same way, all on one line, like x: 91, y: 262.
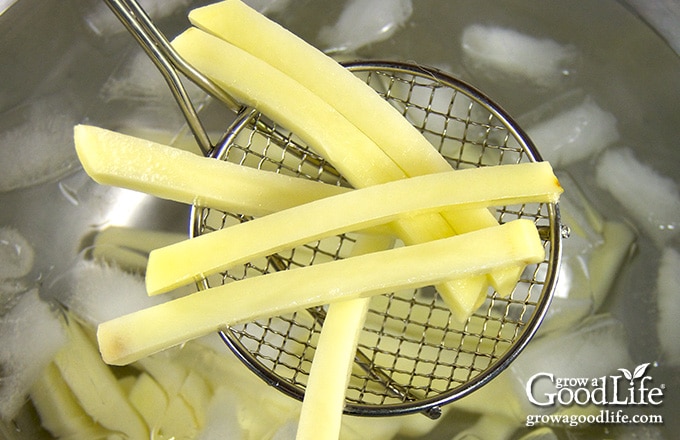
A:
x: 31, y: 333
x: 137, y: 79
x: 506, y: 54
x: 668, y: 305
x: 16, y: 254
x: 268, y: 6
x: 222, y: 416
x: 651, y: 199
x: 592, y: 255
x: 97, y: 292
x: 575, y: 134
x: 363, y: 22
x: 37, y: 142
x: 138, y: 87
x: 104, y: 23
x: 596, y: 348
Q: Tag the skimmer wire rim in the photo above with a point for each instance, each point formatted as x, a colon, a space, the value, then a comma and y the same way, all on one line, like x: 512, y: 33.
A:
x: 551, y: 233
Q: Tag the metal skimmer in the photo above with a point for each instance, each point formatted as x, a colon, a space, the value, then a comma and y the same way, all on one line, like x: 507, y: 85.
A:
x: 412, y: 356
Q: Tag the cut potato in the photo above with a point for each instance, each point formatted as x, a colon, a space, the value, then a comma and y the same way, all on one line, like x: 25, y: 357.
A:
x: 322, y: 406
x: 112, y: 158
x: 128, y: 248
x: 95, y: 387
x: 321, y: 415
x: 354, y: 155
x: 59, y: 410
x: 188, y: 260
x: 233, y: 21
x: 254, y: 82
x: 131, y: 337
x: 149, y: 399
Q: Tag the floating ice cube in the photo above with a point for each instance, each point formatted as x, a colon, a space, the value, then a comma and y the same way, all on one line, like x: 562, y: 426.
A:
x: 102, y: 21
x: 9, y: 289
x: 651, y: 199
x: 506, y: 54
x: 37, y: 142
x: 363, y: 22
x: 137, y: 79
x: 30, y: 335
x: 97, y: 292
x: 268, y: 6
x: 287, y: 431
x: 668, y: 304
x: 222, y: 416
x: 592, y: 256
x: 16, y: 254
x: 150, y: 106
x: 577, y: 133
x: 596, y: 348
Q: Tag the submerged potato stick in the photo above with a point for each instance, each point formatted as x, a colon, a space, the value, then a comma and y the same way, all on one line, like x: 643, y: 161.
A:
x: 189, y: 260
x: 130, y: 337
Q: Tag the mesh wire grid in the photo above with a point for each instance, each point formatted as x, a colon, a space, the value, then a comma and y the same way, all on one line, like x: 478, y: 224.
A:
x: 412, y: 355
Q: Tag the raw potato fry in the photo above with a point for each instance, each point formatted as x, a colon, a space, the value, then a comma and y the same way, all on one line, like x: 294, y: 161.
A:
x: 60, y: 412
x: 233, y: 21
x: 360, y: 161
x: 188, y: 260
x: 254, y: 82
x: 112, y: 158
x: 135, y: 239
x: 128, y: 248
x: 95, y: 387
x: 149, y: 399
x: 131, y: 337
x: 321, y: 413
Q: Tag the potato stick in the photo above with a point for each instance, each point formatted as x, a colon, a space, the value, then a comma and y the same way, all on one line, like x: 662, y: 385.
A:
x: 503, y: 280
x: 136, y: 239
x: 59, y: 410
x: 322, y: 406
x: 112, y: 158
x: 95, y: 386
x: 130, y: 337
x: 233, y: 21
x: 129, y: 247
x: 254, y: 82
x: 180, y: 263
x: 356, y: 157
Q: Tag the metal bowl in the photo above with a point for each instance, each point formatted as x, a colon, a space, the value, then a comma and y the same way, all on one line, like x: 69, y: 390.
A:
x: 62, y: 64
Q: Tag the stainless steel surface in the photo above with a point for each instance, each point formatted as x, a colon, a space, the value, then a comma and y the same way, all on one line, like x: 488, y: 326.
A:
x: 49, y: 49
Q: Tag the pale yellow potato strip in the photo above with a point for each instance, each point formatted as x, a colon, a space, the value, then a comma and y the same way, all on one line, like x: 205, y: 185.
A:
x: 254, y: 82
x: 357, y: 158
x: 139, y: 334
x: 181, y: 263
x: 95, y: 386
x: 59, y: 410
x: 112, y: 158
x: 234, y: 21
x: 322, y: 406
